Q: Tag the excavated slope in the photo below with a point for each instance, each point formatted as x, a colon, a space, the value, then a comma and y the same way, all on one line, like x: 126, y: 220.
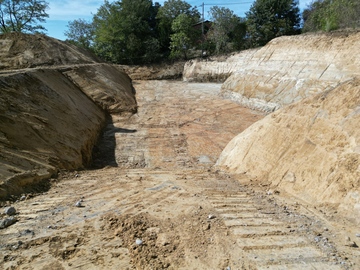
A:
x: 310, y: 149
x: 26, y: 51
x: 51, y: 117
x: 284, y: 71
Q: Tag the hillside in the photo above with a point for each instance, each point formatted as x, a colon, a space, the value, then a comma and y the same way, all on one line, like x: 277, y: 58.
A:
x: 53, y: 105
x: 284, y: 71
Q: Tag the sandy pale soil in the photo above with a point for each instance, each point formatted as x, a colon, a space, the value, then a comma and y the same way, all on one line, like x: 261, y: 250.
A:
x: 154, y: 200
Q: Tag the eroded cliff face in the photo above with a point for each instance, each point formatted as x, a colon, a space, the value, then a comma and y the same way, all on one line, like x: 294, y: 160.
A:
x: 216, y: 69
x: 284, y: 71
x: 51, y: 117
x: 289, y: 69
x: 310, y: 149
x: 18, y: 51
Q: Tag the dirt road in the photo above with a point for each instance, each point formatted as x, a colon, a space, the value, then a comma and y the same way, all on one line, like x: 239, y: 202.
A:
x: 154, y: 200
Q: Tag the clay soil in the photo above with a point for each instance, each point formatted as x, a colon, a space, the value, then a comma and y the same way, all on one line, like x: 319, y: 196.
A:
x: 154, y: 200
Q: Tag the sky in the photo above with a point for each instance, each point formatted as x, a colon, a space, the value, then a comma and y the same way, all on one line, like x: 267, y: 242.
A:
x: 62, y: 11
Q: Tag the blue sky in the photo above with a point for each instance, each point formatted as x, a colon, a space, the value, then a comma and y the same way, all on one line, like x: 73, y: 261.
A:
x: 62, y: 11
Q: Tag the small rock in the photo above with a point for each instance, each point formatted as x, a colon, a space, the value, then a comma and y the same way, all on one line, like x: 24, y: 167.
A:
x: 78, y: 204
x: 23, y: 198
x: 357, y: 235
x: 7, y: 222
x: 10, y: 211
x: 138, y: 242
x: 211, y: 216
x: 206, y: 227
x: 352, y: 244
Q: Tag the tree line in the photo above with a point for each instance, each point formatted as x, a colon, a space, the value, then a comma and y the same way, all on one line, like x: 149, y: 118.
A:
x: 141, y: 31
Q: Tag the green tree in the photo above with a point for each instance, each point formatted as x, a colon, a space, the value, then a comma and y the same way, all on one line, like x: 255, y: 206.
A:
x: 167, y: 14
x: 227, y: 30
x: 328, y: 15
x: 123, y: 32
x: 81, y: 33
x: 268, y: 19
x: 184, y: 36
x: 22, y: 16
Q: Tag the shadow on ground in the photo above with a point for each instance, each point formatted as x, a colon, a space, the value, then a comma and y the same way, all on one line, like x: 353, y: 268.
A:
x: 104, y: 151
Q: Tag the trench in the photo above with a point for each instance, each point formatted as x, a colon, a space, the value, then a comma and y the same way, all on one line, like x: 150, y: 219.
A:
x: 154, y: 179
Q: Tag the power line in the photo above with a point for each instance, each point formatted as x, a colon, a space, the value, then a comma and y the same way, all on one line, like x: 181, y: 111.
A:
x: 227, y: 4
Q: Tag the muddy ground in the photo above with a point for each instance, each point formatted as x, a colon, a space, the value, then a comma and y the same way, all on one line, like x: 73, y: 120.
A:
x: 154, y: 200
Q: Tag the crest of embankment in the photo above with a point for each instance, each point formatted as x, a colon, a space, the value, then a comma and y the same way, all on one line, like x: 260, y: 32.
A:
x: 310, y: 147
x: 53, y: 104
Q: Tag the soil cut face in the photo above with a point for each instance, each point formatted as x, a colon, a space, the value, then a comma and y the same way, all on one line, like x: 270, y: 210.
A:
x: 154, y: 200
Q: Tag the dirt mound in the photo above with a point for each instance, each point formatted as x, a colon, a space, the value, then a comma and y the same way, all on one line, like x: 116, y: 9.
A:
x: 51, y: 117
x: 310, y: 149
x: 27, y: 51
x: 173, y: 71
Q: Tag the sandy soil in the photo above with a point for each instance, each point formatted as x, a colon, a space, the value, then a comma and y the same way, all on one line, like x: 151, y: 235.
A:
x: 154, y: 200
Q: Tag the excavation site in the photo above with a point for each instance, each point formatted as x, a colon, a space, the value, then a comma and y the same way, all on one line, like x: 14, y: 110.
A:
x: 249, y: 161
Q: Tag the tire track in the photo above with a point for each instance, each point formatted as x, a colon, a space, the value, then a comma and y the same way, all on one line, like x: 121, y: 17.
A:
x: 268, y: 241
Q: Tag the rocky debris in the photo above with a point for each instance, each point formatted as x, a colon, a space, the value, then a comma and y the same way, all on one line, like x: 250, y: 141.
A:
x: 6, y: 222
x: 138, y: 242
x: 78, y: 204
x: 10, y: 211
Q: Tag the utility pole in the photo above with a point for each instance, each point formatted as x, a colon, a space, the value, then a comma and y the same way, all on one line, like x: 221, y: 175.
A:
x: 202, y: 30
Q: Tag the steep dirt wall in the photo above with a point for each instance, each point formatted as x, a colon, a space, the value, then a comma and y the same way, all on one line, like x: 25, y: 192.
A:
x: 107, y: 85
x: 19, y: 51
x: 289, y: 69
x: 284, y: 71
x: 46, y: 124
x: 310, y: 149
x: 215, y: 69
x: 50, y: 119
x: 54, y: 98
x: 164, y: 71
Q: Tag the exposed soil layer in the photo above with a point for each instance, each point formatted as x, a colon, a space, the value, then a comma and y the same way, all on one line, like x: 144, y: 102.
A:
x: 155, y: 201
x: 51, y: 116
x: 310, y: 149
x: 286, y: 70
x: 18, y: 51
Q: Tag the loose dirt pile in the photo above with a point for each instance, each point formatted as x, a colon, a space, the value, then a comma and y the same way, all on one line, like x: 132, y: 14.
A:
x: 51, y: 117
x: 311, y: 149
